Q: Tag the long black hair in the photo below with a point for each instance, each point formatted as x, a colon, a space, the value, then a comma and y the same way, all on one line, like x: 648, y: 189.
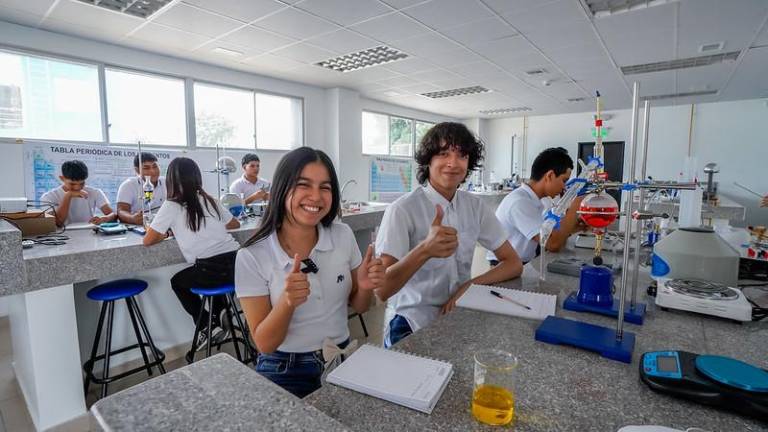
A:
x: 185, y: 186
x: 446, y: 135
x: 284, y: 181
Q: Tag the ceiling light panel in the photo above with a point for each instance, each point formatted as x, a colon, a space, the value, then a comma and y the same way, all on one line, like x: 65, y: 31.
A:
x: 362, y: 59
x: 501, y: 111
x: 137, y: 8
x: 456, y: 92
x: 681, y: 95
x: 604, y: 8
x: 681, y: 63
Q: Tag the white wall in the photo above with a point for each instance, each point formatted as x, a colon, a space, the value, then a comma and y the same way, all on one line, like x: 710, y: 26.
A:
x: 732, y: 134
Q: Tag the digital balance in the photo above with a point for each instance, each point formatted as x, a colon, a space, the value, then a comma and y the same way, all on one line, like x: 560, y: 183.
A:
x: 721, y: 382
x: 709, y: 298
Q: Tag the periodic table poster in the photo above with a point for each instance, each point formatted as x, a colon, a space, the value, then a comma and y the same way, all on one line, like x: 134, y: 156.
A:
x: 107, y: 166
x: 390, y: 178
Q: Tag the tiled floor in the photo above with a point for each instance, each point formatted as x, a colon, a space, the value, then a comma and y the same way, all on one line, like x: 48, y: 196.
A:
x: 14, y: 416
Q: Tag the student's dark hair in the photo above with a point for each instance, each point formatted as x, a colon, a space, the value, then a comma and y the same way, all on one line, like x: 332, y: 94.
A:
x: 248, y: 158
x: 284, y: 181
x: 448, y: 135
x: 145, y: 157
x: 74, y: 170
x: 185, y: 186
x: 553, y: 158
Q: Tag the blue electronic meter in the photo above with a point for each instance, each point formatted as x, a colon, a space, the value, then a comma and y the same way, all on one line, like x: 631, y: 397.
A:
x: 721, y: 382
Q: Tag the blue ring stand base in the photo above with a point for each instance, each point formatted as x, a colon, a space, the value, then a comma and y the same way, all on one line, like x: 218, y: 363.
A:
x: 631, y: 316
x: 561, y: 331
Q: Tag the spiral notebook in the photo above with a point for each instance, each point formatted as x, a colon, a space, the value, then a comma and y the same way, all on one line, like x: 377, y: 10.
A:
x: 405, y: 379
x: 479, y: 297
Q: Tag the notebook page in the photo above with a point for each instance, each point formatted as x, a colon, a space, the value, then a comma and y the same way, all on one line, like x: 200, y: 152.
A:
x: 479, y: 297
x: 402, y: 378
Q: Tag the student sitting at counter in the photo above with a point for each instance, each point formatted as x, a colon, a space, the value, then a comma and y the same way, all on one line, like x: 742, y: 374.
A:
x: 521, y: 213
x: 200, y: 226
x: 130, y: 194
x: 427, y: 237
x: 73, y: 201
x: 250, y: 185
x: 297, y: 274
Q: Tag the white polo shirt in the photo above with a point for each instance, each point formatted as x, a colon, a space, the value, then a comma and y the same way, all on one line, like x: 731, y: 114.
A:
x: 520, y: 213
x: 211, y: 237
x: 131, y: 192
x: 80, y: 209
x: 260, y: 270
x: 406, y: 223
x: 245, y: 187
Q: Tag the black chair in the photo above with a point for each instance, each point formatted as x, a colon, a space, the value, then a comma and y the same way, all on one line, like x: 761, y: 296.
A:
x: 108, y: 293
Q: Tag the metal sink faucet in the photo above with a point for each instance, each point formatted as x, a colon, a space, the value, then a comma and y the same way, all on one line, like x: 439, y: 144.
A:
x: 353, y: 181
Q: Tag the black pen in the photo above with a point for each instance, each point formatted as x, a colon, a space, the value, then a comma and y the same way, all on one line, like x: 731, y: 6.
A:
x: 503, y: 297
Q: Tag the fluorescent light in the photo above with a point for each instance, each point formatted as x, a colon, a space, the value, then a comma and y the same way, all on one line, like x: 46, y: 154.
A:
x: 456, y: 92
x: 226, y: 52
x: 604, y: 8
x: 681, y: 63
x: 137, y: 8
x: 362, y: 59
x: 499, y: 111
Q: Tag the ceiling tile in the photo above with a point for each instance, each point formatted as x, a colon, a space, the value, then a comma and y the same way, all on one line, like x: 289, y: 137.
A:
x: 443, y: 14
x: 369, y: 74
x: 257, y: 38
x: 506, y: 48
x: 762, y: 39
x: 296, y: 24
x: 425, y: 45
x: 100, y: 20
x: 710, y: 21
x: 410, y: 65
x: 749, y: 79
x: 36, y: 7
x: 515, y: 6
x: 304, y: 53
x: 546, y: 16
x: 586, y: 67
x: 576, y: 53
x: 434, y: 75
x: 712, y: 77
x: 20, y: 17
x: 159, y: 35
x: 568, y: 34
x: 453, y: 57
x: 419, y: 88
x: 564, y: 90
x: 481, y: 68
x: 399, y: 4
x: 483, y: 30
x: 246, y: 11
x: 400, y: 81
x: 194, y: 20
x: 655, y: 25
x: 344, y: 12
x: 390, y: 28
x: 343, y: 42
x: 273, y: 62
x: 248, y: 51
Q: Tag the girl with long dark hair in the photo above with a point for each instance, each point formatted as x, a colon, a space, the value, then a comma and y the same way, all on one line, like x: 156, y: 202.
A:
x: 297, y: 274
x: 199, y: 224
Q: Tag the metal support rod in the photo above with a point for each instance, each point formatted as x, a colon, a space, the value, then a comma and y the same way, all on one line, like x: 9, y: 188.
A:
x: 628, y: 210
x: 640, y: 206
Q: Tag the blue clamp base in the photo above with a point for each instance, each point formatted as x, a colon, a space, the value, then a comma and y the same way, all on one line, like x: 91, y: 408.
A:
x: 634, y: 316
x: 554, y: 217
x: 557, y: 331
x: 628, y: 186
x: 596, y: 159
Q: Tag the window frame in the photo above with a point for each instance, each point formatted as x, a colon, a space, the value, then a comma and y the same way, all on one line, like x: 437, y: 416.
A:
x: 390, y: 116
x: 189, y: 108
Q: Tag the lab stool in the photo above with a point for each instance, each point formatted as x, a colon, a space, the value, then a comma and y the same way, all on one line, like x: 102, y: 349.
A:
x: 224, y: 293
x: 108, y: 293
x: 351, y: 313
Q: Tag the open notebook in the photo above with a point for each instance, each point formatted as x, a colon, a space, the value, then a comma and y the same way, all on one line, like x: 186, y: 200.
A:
x: 479, y: 297
x: 405, y: 379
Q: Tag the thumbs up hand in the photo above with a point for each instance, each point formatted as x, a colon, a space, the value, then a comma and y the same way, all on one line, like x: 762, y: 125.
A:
x: 296, y: 289
x: 371, y: 273
x: 442, y: 241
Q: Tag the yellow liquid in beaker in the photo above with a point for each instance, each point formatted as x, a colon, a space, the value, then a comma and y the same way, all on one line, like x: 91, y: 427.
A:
x: 493, y: 405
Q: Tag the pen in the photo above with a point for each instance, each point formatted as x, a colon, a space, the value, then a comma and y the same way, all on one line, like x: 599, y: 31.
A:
x: 503, y: 297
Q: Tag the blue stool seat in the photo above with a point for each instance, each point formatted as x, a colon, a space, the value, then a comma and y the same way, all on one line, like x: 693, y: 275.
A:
x: 218, y: 290
x: 117, y: 289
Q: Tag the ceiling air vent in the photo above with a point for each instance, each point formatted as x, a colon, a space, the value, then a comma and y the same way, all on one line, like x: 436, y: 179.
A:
x: 362, y: 59
x: 456, y: 92
x: 604, y: 8
x: 537, y: 71
x: 681, y: 63
x: 578, y: 99
x: 681, y: 95
x: 499, y: 111
x: 711, y: 47
x: 137, y: 8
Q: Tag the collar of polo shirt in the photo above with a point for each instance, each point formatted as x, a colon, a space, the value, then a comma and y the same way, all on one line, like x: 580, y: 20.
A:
x: 324, y: 244
x: 436, y: 198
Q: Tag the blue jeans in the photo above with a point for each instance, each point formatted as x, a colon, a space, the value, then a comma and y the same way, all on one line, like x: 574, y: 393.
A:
x: 298, y: 373
x: 398, y: 329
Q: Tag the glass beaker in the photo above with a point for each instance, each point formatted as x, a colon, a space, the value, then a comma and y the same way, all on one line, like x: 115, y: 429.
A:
x: 493, y: 397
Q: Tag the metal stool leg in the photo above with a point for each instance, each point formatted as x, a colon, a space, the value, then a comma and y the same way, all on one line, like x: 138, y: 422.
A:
x: 244, y: 331
x: 138, y: 335
x: 108, y: 347
x: 198, y: 324
x: 155, y: 352
x: 94, y: 349
x: 210, y: 324
x: 362, y: 323
x: 228, y: 306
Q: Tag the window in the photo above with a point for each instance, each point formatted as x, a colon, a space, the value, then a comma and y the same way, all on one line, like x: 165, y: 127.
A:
x: 375, y: 133
x: 390, y: 135
x: 143, y: 107
x: 400, y: 136
x: 279, y: 122
x: 48, y: 99
x: 224, y: 116
x: 420, y: 129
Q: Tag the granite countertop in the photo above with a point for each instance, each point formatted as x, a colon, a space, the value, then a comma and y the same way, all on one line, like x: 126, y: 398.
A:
x: 87, y: 256
x: 214, y: 394
x: 13, y: 275
x: 558, y: 387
